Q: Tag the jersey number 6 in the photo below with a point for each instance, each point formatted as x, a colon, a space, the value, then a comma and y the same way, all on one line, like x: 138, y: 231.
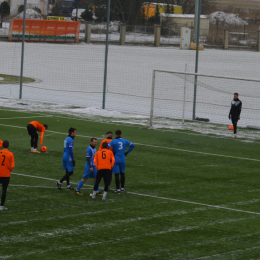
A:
x: 104, y: 156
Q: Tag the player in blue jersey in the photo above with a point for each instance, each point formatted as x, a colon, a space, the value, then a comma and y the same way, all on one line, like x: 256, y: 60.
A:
x: 90, y: 167
x: 68, y: 159
x: 119, y: 149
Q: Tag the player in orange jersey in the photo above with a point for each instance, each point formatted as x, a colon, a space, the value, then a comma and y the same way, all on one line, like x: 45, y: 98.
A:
x: 6, y: 166
x: 109, y: 138
x: 1, y: 143
x: 33, y: 128
x: 104, y: 160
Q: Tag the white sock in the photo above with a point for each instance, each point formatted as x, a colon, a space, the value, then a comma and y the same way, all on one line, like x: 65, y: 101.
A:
x: 94, y: 192
x: 104, y: 194
x: 32, y: 148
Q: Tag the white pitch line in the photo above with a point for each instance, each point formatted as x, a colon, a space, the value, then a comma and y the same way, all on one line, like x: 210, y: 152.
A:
x: 161, y: 147
x: 156, y: 197
x: 24, y: 117
x: 45, y: 187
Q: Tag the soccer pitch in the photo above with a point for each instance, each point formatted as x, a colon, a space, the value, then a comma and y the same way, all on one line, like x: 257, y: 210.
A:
x: 190, y: 196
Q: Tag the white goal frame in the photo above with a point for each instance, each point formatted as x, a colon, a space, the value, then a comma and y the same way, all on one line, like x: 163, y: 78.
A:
x: 186, y: 73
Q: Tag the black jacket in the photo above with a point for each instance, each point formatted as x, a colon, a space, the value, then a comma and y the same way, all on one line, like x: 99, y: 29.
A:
x: 236, y: 107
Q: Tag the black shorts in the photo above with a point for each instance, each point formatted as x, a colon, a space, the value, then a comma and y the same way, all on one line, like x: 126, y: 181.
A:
x: 32, y: 131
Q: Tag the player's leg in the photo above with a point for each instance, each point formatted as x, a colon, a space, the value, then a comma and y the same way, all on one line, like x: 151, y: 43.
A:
x: 234, y: 122
x: 35, y: 144
x: 122, y: 175
x: 107, y: 180
x: 116, y: 171
x: 68, y: 174
x: 32, y: 132
x: 83, y: 180
x: 5, y: 183
x: 98, y: 178
x: 94, y: 175
x: 68, y: 166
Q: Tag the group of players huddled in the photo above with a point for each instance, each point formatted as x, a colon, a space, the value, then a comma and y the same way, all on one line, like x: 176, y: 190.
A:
x: 109, y: 159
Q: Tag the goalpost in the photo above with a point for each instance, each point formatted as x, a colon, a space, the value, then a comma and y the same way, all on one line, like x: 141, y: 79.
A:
x: 172, y: 97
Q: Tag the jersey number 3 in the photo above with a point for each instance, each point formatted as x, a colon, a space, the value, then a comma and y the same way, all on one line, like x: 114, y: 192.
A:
x: 120, y: 146
x: 3, y: 160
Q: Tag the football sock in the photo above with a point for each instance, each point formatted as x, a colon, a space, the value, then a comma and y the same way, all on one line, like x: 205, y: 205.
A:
x: 117, y: 180
x: 94, y: 192
x: 81, y: 183
x: 104, y: 194
x: 122, y: 179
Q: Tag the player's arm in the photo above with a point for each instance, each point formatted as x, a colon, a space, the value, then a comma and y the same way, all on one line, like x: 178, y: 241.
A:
x: 240, y: 109
x: 41, y: 140
x: 131, y: 147
x: 12, y: 163
x: 112, y: 162
x: 96, y: 159
x: 89, y: 161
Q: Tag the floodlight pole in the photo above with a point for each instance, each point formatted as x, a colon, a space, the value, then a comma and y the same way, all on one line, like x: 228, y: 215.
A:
x: 197, y: 59
x: 21, y: 74
x: 106, y: 56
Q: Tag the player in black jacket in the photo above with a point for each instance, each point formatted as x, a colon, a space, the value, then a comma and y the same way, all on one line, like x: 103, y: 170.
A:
x: 235, y: 111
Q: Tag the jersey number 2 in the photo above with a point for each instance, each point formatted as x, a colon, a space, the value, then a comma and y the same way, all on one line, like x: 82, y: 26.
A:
x: 3, y: 160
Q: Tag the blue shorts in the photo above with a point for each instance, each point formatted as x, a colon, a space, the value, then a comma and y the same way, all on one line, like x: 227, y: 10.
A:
x: 88, y: 174
x: 68, y: 165
x: 118, y: 167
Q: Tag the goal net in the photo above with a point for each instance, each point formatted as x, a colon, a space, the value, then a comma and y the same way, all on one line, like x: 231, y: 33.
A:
x: 173, y: 94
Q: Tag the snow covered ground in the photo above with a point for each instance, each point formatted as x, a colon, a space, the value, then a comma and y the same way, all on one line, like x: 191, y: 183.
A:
x: 72, y: 75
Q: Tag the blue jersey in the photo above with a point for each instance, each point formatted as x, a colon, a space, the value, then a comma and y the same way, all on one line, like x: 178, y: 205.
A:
x: 119, y: 146
x: 90, y: 154
x: 68, y: 149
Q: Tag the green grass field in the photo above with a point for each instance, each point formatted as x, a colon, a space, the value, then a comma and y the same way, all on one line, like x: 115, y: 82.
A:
x: 174, y: 181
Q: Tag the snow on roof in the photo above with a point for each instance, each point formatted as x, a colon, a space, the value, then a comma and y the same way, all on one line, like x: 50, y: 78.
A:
x: 30, y: 14
x: 231, y: 19
x: 147, y: 3
x: 183, y: 15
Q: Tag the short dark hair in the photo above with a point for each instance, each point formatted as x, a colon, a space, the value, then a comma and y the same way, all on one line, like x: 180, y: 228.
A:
x: 105, y: 145
x: 236, y: 93
x: 118, y: 132
x: 109, y: 133
x: 46, y: 126
x: 71, y: 130
x: 5, y: 144
x: 92, y: 139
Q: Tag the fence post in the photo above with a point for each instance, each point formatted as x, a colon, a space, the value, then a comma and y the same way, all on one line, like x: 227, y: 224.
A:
x: 122, y: 33
x: 88, y: 33
x: 225, y: 38
x: 258, y: 40
x: 157, y: 35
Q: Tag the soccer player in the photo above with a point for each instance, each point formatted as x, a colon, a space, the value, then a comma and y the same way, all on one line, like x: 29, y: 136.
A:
x: 68, y: 159
x: 235, y: 111
x: 109, y: 138
x: 6, y: 166
x: 119, y: 149
x: 104, y: 160
x: 1, y: 143
x: 33, y: 128
x: 90, y: 168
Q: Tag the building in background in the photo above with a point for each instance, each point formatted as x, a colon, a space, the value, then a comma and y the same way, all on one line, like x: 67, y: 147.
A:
x: 185, y: 20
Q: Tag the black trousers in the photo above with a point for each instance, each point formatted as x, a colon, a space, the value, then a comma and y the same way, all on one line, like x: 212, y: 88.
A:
x: 234, y: 122
x: 106, y: 175
x: 5, y: 183
x: 34, y: 135
x: 66, y: 177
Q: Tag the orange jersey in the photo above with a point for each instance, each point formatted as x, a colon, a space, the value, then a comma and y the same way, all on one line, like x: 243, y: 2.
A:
x: 104, y: 159
x: 108, y: 141
x: 6, y: 163
x: 40, y: 128
x: 1, y: 143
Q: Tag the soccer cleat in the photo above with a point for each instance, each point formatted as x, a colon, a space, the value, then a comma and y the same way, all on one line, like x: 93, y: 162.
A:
x: 58, y: 185
x: 35, y: 151
x: 117, y: 191
x: 70, y: 188
x: 98, y: 193
x: 92, y: 196
x: 123, y: 190
x: 3, y: 208
x: 234, y: 136
x: 78, y: 192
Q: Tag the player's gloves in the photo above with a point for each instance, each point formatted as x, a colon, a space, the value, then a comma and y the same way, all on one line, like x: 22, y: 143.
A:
x: 229, y: 116
x: 126, y: 153
x: 74, y: 163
